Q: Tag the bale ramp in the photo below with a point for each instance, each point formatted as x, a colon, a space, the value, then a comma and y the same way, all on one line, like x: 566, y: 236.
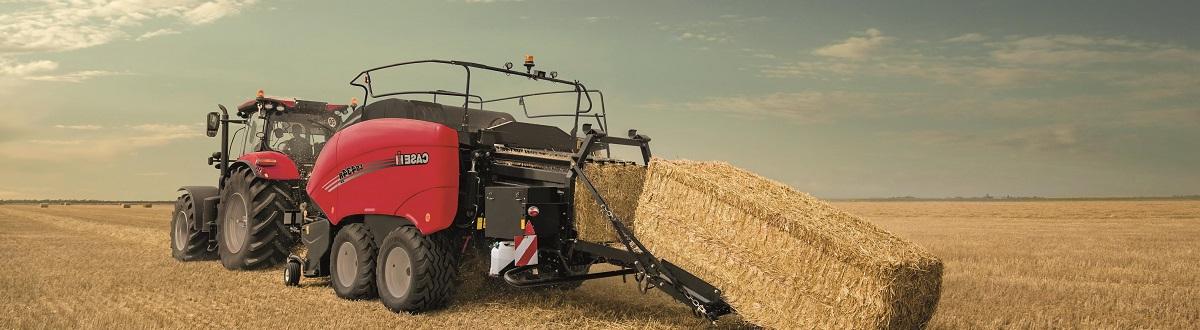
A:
x: 783, y: 258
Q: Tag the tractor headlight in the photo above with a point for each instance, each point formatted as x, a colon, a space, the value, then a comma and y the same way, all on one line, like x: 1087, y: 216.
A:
x: 269, y: 106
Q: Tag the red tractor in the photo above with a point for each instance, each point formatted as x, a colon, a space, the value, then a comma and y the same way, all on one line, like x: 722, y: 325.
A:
x: 402, y: 188
x: 250, y: 219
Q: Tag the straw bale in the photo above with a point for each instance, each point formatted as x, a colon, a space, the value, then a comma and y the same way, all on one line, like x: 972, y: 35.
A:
x: 147, y: 205
x: 620, y: 184
x: 783, y: 258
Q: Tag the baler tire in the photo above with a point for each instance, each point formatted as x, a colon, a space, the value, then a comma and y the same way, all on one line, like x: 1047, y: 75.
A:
x: 188, y: 243
x: 266, y: 240
x: 361, y: 254
x: 431, y: 265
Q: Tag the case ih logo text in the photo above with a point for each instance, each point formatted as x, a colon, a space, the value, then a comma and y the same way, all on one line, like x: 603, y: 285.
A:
x: 403, y: 159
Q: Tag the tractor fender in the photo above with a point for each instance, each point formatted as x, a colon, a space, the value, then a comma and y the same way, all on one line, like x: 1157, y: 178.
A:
x: 270, y: 165
x: 206, y: 208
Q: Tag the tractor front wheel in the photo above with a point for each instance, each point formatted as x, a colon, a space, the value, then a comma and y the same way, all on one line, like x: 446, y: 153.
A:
x: 251, y: 233
x: 188, y: 243
x: 415, y: 272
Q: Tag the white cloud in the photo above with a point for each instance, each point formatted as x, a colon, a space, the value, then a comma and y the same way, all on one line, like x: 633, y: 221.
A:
x: 716, y: 37
x: 213, y: 10
x: 594, y: 19
x: 815, y: 69
x: 41, y: 71
x: 156, y: 33
x: 856, y: 47
x: 1013, y: 62
x: 9, y: 68
x: 759, y: 53
x: 966, y: 38
x: 57, y: 26
x: 807, y: 106
x: 1055, y: 138
x: 73, y: 77
x: 720, y: 29
x: 86, y: 127
x: 1083, y: 50
x: 97, y: 144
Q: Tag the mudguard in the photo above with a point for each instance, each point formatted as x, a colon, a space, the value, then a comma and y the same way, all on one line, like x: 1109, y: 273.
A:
x: 272, y: 165
x: 317, y: 237
x: 401, y: 168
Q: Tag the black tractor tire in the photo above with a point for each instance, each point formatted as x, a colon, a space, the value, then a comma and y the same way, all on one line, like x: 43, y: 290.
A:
x: 416, y: 273
x: 352, y: 263
x: 188, y: 243
x: 250, y: 229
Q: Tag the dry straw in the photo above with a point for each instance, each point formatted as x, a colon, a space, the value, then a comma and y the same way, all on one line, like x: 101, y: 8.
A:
x: 620, y: 185
x: 783, y: 258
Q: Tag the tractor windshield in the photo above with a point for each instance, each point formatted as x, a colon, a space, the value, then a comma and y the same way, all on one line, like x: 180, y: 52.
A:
x: 301, y: 136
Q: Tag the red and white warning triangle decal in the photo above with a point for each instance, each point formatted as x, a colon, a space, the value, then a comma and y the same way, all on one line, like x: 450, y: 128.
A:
x: 526, y: 247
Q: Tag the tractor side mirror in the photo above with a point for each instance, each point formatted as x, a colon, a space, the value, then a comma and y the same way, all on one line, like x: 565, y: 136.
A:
x: 212, y: 124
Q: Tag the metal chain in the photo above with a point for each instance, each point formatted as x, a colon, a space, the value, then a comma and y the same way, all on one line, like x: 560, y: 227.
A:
x: 700, y: 310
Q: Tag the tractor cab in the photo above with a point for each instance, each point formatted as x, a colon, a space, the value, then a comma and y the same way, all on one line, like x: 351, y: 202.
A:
x: 296, y: 128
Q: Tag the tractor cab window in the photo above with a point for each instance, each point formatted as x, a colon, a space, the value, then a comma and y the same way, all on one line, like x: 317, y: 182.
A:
x: 301, y: 136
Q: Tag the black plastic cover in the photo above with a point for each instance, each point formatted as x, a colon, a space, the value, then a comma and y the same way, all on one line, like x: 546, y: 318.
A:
x: 427, y: 111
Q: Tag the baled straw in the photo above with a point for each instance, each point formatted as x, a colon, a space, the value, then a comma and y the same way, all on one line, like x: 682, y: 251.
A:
x: 783, y: 258
x: 620, y: 184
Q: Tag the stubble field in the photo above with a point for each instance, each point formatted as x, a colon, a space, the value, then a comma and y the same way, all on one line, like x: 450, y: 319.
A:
x: 1127, y: 264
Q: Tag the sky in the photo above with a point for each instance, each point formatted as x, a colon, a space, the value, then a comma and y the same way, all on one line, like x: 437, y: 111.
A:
x: 841, y: 99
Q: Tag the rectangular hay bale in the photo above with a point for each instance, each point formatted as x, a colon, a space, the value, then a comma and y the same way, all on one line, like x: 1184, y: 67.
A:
x: 620, y: 184
x: 783, y: 258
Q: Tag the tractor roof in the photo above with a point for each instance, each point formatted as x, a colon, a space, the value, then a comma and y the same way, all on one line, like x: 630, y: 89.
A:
x: 291, y: 104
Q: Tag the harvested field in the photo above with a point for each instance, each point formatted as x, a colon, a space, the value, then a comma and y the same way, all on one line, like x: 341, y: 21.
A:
x: 1040, y: 265
x: 1007, y: 265
x: 111, y: 268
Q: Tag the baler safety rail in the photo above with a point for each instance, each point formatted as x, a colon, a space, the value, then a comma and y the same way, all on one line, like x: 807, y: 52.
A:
x: 649, y: 271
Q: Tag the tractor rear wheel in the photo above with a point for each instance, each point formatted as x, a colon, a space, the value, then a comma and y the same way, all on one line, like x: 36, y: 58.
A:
x: 251, y: 233
x: 415, y: 273
x: 188, y: 243
x: 353, y: 263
